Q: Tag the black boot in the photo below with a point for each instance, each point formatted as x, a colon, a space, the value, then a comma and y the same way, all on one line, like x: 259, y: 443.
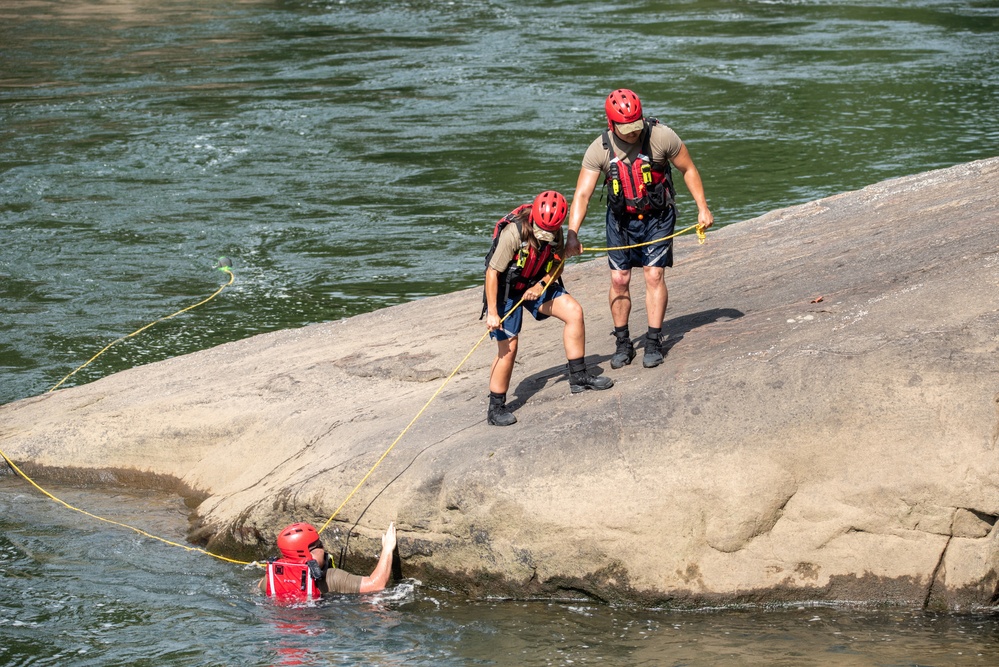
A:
x: 581, y: 380
x: 653, y: 349
x: 625, y: 351
x: 498, y: 414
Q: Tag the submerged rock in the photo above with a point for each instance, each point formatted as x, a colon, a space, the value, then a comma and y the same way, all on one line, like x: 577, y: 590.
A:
x: 824, y: 428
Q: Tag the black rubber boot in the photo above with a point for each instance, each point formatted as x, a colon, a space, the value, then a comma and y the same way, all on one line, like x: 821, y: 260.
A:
x: 653, y: 350
x: 580, y: 380
x: 498, y: 414
x: 625, y: 351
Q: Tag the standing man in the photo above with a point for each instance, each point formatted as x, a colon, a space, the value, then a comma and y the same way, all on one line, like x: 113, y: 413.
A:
x: 635, y: 153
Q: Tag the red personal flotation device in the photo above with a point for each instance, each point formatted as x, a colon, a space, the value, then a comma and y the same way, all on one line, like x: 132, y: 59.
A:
x: 288, y: 581
x: 529, y: 265
x: 640, y: 187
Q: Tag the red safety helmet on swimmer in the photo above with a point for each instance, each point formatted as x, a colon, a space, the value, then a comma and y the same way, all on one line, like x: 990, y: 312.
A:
x: 622, y: 106
x: 549, y: 210
x: 296, y: 541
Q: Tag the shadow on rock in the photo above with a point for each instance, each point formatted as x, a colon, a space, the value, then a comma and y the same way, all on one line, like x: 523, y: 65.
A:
x: 676, y: 328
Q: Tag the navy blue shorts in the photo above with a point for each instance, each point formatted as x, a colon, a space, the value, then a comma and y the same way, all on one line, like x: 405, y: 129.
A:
x: 630, y: 230
x: 510, y: 327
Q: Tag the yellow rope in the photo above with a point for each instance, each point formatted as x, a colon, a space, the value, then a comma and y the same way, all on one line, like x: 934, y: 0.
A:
x: 138, y: 331
x: 427, y: 404
x: 701, y: 238
x: 225, y: 268
x: 118, y: 523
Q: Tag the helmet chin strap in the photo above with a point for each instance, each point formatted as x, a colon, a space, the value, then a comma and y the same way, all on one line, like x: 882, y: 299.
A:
x: 315, y: 571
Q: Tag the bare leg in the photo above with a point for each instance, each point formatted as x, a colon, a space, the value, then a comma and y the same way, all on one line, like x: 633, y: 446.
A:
x: 567, y: 309
x: 502, y: 370
x: 656, y: 296
x: 620, y: 296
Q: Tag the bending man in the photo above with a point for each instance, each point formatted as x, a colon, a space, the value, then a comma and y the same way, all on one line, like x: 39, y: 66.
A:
x: 525, y: 262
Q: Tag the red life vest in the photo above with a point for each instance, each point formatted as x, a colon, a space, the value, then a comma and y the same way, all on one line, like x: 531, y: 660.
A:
x: 639, y: 187
x: 528, y: 266
x: 530, y: 263
x: 288, y: 582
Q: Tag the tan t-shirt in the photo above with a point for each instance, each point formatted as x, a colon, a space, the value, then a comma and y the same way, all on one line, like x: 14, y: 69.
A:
x: 340, y: 581
x: 664, y: 143
x: 509, y: 244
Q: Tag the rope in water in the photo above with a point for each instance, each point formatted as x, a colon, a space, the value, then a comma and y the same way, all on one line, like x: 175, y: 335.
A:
x: 223, y: 265
x: 116, y: 523
x: 225, y: 268
x: 701, y: 238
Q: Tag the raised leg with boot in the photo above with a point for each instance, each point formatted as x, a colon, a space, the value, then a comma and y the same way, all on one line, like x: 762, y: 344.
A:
x: 580, y: 379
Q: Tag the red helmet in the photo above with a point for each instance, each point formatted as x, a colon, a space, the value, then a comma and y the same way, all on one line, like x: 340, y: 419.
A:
x: 622, y: 106
x: 297, y: 540
x: 549, y: 210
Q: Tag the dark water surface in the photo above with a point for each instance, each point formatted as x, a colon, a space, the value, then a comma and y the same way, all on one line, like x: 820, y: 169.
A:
x: 353, y: 154
x: 76, y: 593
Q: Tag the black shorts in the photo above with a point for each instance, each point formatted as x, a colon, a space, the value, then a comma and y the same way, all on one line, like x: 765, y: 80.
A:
x: 629, y: 230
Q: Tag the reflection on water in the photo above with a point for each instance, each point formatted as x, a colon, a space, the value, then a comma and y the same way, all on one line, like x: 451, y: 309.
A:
x: 78, y: 592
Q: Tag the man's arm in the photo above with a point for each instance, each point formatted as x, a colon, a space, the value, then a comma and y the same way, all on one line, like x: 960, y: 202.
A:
x: 586, y: 183
x: 379, y: 577
x: 492, y: 290
x: 692, y: 179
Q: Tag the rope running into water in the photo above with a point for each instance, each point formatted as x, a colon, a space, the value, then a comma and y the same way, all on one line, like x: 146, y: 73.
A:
x: 224, y: 269
x: 118, y: 523
x: 701, y: 239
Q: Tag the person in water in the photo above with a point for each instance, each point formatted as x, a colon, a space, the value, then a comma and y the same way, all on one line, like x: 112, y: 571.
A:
x: 634, y: 154
x: 305, y: 571
x: 525, y: 262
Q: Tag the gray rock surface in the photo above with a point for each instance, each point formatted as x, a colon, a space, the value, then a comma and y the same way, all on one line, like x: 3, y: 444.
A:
x: 824, y: 428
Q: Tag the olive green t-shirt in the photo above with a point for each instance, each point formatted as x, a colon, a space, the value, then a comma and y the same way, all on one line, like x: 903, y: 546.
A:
x: 664, y: 144
x: 509, y: 244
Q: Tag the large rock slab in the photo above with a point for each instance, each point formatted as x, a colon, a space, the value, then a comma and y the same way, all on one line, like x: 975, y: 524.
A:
x: 824, y: 428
